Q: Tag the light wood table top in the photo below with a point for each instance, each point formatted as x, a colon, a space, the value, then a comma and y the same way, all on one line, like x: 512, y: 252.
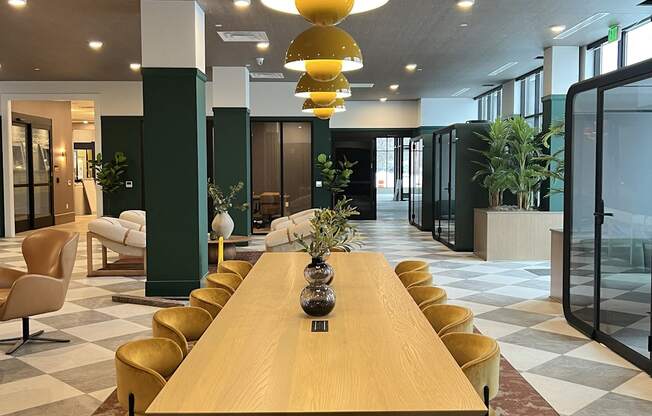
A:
x: 259, y: 356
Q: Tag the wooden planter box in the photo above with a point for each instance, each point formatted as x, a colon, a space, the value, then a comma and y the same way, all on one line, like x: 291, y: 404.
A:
x: 514, y: 235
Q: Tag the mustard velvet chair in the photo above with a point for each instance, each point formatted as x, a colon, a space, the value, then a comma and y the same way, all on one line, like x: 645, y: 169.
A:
x: 50, y: 256
x: 446, y: 319
x: 239, y: 267
x: 419, y: 278
x: 411, y: 266
x: 183, y: 325
x: 142, y: 368
x: 479, y: 358
x: 209, y: 299
x: 227, y: 281
x: 425, y: 296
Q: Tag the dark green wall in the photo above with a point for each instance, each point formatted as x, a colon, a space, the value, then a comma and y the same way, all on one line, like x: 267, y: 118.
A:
x: 232, y: 159
x: 124, y: 134
x: 554, y: 112
x: 175, y: 173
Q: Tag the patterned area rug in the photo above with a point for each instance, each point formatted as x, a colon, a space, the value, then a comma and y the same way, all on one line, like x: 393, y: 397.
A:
x: 516, y: 398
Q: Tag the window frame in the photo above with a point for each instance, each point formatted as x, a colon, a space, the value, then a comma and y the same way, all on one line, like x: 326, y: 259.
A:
x: 537, y: 115
x: 596, y: 48
x: 486, y: 105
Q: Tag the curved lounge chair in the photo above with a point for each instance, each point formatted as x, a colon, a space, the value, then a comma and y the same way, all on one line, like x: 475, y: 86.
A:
x: 285, y: 240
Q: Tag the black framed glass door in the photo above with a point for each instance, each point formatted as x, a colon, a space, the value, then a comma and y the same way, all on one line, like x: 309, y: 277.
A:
x: 608, y: 213
x: 281, y: 170
x: 32, y: 166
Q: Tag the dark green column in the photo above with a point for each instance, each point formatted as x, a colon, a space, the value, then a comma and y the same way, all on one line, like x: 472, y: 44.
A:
x: 175, y: 173
x: 554, y: 112
x: 232, y: 159
x: 321, y: 143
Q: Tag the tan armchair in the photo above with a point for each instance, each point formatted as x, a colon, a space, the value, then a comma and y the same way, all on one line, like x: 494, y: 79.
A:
x: 50, y: 257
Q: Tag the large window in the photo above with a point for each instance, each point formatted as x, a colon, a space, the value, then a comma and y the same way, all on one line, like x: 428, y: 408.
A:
x: 529, y: 88
x: 633, y: 47
x: 638, y: 44
x: 490, y: 105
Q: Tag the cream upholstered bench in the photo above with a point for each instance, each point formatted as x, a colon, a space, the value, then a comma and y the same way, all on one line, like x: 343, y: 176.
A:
x: 294, y: 219
x: 126, y: 238
x: 285, y: 240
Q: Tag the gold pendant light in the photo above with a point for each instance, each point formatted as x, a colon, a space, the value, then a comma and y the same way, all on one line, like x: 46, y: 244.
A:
x: 323, y: 113
x: 291, y: 6
x: 323, y: 93
x: 323, y: 52
x: 325, y: 13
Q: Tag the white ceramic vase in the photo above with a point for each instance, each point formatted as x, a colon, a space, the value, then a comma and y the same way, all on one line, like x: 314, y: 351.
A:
x: 223, y: 225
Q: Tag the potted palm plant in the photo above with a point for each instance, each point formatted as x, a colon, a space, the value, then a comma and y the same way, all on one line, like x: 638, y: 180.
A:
x: 493, y: 170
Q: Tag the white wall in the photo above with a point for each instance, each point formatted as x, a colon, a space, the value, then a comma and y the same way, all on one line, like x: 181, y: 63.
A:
x: 115, y: 98
x: 274, y: 99
x: 446, y: 111
x: 374, y: 114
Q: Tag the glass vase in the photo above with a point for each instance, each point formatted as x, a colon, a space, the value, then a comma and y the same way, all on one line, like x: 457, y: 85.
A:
x: 317, y: 300
x: 318, y: 272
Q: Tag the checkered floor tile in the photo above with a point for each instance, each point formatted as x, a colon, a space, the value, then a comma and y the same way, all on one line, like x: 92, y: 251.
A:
x: 575, y: 375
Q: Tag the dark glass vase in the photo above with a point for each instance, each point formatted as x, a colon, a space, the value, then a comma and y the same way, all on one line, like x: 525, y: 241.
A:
x: 317, y: 300
x: 319, y: 272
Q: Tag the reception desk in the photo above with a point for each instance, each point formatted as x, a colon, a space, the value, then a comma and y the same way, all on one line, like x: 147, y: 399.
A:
x: 259, y: 356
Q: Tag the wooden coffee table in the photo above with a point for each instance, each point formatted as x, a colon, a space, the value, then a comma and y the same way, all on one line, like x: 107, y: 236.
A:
x: 229, y: 247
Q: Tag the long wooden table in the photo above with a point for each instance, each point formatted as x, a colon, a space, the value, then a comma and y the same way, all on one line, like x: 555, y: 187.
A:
x: 259, y: 356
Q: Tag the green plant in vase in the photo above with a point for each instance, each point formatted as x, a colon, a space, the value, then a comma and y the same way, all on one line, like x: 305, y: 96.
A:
x: 109, y: 174
x: 336, y: 176
x: 222, y: 224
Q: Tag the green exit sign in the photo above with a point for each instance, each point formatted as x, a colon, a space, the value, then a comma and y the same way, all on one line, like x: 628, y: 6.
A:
x: 614, y: 33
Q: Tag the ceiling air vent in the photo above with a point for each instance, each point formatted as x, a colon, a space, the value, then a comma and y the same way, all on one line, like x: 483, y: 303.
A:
x: 266, y: 75
x: 243, y: 36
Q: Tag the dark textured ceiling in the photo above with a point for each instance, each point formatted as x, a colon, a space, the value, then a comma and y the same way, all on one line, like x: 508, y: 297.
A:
x: 53, y: 35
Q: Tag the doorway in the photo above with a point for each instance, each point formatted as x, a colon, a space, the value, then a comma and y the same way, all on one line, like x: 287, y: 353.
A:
x: 281, y: 170
x: 33, y: 181
x: 392, y: 176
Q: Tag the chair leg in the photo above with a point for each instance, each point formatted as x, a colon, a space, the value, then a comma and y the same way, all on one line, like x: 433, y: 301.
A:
x: 132, y: 404
x: 486, y: 399
x: 27, y: 337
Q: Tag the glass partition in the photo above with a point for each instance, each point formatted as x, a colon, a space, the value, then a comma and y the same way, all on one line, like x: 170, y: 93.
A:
x: 608, y: 213
x: 281, y: 173
x: 416, y: 182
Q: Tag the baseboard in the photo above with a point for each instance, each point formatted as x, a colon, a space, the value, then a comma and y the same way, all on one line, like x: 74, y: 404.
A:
x: 64, y: 218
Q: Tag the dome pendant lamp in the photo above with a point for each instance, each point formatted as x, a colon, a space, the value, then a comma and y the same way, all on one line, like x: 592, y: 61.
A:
x: 323, y: 93
x: 323, y: 52
x: 325, y: 13
x: 292, y: 6
x: 323, y: 113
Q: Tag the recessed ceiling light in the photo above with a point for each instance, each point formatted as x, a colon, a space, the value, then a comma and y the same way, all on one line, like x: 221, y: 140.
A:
x: 85, y: 121
x: 96, y: 45
x: 465, y: 4
x: 37, y: 69
x: 17, y: 3
x: 502, y: 68
x: 382, y: 100
x: 262, y: 46
x: 242, y: 3
x: 218, y: 25
x: 134, y: 67
x: 460, y: 92
x: 393, y: 87
x: 581, y: 25
x: 411, y: 67
x: 557, y: 28
x: 464, y: 25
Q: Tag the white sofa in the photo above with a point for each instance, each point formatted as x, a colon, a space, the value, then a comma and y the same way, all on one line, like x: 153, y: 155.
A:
x: 285, y: 239
x: 134, y: 215
x: 294, y: 219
